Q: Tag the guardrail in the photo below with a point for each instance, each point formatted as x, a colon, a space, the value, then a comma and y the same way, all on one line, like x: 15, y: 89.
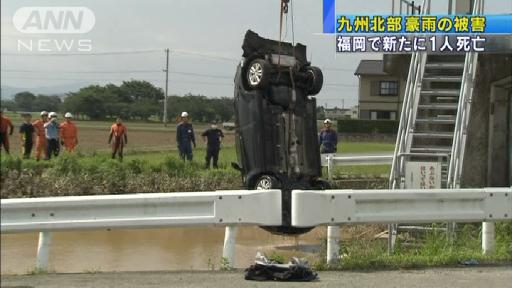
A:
x: 226, y: 208
x: 331, y: 160
x: 312, y: 208
x: 338, y: 207
x: 255, y: 207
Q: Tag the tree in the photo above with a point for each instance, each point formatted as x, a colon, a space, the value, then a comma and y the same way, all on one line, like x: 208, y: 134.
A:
x: 24, y: 101
x: 9, y: 105
x: 87, y: 101
x: 141, y: 90
x: 46, y: 103
x: 144, y: 96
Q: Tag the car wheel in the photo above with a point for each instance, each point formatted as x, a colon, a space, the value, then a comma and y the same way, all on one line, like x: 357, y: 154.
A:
x: 258, y: 74
x: 315, y: 80
x: 266, y: 182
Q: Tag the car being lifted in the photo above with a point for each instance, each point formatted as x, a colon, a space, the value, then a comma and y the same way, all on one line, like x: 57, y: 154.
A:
x: 275, y: 119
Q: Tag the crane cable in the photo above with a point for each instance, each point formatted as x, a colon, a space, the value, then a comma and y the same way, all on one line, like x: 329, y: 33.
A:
x: 284, y: 10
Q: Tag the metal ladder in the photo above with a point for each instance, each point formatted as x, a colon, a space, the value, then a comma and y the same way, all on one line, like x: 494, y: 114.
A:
x: 435, y: 117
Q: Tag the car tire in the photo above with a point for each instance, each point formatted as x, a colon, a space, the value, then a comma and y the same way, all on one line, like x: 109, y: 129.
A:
x: 266, y: 182
x: 315, y: 80
x: 258, y: 74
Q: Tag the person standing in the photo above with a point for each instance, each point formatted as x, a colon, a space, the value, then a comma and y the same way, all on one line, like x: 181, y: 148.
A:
x: 41, y: 135
x: 213, y: 137
x: 68, y: 133
x: 6, y: 129
x: 185, y: 137
x: 328, y: 138
x: 118, y: 133
x: 27, y: 135
x: 52, y: 136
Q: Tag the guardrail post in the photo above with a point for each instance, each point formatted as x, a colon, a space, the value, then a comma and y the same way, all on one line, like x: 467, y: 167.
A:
x: 330, y: 166
x: 229, y: 245
x: 487, y: 237
x: 333, y: 244
x: 43, y: 250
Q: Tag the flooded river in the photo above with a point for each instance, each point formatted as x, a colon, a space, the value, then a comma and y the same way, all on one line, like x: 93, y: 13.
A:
x: 192, y: 248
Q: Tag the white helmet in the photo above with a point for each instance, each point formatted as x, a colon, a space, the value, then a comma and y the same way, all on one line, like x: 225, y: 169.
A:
x: 52, y: 114
x: 44, y: 113
x: 68, y: 115
x: 326, y: 121
x: 184, y: 114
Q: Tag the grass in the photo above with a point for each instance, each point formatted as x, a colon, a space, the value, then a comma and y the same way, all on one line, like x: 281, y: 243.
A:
x: 365, y: 147
x: 432, y: 250
x: 351, y: 171
x: 151, y: 164
x: 153, y: 136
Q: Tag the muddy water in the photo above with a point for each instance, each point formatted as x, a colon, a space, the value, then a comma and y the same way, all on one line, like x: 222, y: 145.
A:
x: 198, y: 248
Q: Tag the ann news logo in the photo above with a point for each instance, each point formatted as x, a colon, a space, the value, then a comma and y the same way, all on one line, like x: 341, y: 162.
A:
x: 63, y: 22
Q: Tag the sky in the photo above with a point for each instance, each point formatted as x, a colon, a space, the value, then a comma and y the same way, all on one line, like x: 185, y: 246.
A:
x: 204, y: 37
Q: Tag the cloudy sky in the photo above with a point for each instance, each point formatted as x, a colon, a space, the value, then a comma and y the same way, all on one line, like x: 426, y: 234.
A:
x: 204, y: 35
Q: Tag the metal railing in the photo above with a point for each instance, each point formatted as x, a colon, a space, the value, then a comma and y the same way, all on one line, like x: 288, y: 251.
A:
x: 463, y: 112
x: 410, y: 7
x: 408, y: 114
x: 331, y: 160
x: 149, y: 210
x: 340, y: 207
x: 235, y: 208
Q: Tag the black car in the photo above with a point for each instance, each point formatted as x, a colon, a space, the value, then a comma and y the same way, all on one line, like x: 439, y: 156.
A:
x: 275, y: 118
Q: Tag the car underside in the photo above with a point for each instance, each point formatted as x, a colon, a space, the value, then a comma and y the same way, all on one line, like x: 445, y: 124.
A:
x: 275, y: 120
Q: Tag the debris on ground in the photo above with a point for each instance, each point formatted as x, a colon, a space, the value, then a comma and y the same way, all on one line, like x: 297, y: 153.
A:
x: 267, y: 270
x: 470, y: 262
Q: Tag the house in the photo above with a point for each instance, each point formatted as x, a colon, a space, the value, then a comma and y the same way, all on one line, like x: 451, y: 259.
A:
x: 380, y: 93
x: 341, y: 113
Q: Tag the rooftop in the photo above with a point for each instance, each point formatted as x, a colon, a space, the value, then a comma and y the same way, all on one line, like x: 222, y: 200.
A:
x: 370, y: 67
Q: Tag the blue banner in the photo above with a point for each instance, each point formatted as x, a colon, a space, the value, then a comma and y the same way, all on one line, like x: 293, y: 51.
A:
x: 414, y: 24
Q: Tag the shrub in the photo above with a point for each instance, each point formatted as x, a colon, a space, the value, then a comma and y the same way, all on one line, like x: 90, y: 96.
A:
x: 367, y: 126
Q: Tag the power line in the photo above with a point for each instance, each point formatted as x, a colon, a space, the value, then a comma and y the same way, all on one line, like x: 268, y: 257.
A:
x: 175, y: 51
x: 121, y: 72
x: 201, y: 75
x: 116, y: 79
x: 206, y: 55
x: 117, y: 72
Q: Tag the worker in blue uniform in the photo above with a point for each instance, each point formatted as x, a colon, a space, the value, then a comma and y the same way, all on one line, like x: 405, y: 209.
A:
x: 328, y: 138
x: 185, y: 137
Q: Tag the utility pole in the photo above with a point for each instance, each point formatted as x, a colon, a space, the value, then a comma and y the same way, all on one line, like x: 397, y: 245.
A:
x: 166, y: 85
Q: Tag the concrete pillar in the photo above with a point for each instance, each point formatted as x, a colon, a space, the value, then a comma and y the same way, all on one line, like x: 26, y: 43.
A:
x: 487, y: 237
x: 330, y: 166
x: 333, y: 244
x: 230, y: 245
x: 43, y: 250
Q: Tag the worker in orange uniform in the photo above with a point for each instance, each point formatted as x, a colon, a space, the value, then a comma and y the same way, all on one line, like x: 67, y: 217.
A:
x: 68, y: 133
x: 41, y: 135
x: 118, y: 132
x: 5, y: 124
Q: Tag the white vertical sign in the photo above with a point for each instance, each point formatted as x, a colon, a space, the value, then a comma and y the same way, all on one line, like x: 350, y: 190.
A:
x: 423, y: 175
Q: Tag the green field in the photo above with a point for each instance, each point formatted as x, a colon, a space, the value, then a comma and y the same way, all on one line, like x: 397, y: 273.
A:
x: 151, y: 164
x: 155, y: 137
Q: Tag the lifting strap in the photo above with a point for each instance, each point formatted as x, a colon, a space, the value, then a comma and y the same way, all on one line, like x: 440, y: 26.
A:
x: 284, y: 10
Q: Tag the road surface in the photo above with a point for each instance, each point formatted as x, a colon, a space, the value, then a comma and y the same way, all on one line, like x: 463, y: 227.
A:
x: 442, y: 277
